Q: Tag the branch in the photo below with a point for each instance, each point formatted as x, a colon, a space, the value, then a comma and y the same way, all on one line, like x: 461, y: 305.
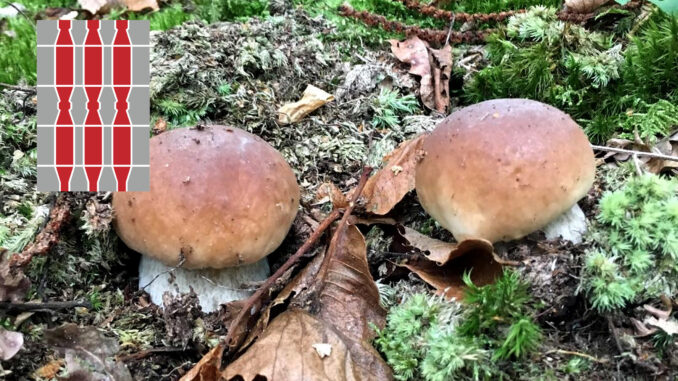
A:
x: 42, y: 306
x: 430, y: 35
x: 429, y: 10
x: 636, y: 153
x: 30, y: 89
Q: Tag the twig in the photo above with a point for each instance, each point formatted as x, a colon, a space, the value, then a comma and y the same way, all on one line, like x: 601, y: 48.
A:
x: 148, y: 352
x: 48, y: 237
x: 182, y: 260
x: 38, y: 306
x: 20, y: 88
x: 250, y: 304
x: 632, y: 152
x: 584, y: 355
x: 30, y: 20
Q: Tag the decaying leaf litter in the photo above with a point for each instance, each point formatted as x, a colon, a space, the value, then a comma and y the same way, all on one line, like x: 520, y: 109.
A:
x: 329, y: 146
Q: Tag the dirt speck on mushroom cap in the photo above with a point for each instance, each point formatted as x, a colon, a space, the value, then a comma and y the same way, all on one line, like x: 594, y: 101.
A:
x: 504, y: 168
x: 225, y: 201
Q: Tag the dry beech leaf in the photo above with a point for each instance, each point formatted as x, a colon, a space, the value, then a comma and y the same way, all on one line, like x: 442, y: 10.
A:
x: 584, y: 6
x: 447, y: 278
x: 49, y: 370
x: 344, y: 300
x: 667, y: 146
x: 439, y: 251
x: 391, y: 183
x: 432, y: 65
x: 312, y: 99
x: 10, y: 343
x: 208, y: 368
x: 329, y: 192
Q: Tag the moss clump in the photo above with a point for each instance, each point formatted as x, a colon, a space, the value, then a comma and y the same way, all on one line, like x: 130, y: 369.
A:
x: 588, y: 74
x: 635, y: 245
x: 432, y: 339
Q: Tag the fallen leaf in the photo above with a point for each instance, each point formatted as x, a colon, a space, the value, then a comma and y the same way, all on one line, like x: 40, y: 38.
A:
x: 13, y: 282
x: 434, y: 66
x: 584, y: 6
x: 160, y: 126
x: 49, y: 370
x: 441, y: 68
x: 447, y: 279
x: 10, y: 343
x: 667, y: 146
x: 89, y: 354
x: 344, y: 301
x: 208, y: 368
x: 312, y: 99
x: 329, y: 192
x: 104, y: 6
x: 387, y: 187
x: 439, y: 251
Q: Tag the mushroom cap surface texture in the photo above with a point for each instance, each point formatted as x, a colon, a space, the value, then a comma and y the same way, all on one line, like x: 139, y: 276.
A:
x: 219, y: 197
x: 504, y: 168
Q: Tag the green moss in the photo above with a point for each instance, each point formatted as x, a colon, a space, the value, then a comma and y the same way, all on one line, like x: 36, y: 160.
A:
x: 17, y: 52
x: 390, y: 106
x: 635, y: 254
x: 587, y: 74
x: 428, y: 338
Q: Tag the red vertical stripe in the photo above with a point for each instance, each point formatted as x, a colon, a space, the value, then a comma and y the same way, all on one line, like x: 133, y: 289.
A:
x: 64, y: 178
x: 93, y: 178
x: 122, y: 145
x: 93, y: 145
x: 121, y: 174
x: 64, y: 145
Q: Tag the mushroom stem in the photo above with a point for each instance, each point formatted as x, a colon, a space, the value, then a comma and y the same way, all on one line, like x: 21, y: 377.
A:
x: 213, y: 286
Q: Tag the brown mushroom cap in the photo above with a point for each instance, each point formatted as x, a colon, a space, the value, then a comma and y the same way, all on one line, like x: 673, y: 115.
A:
x: 504, y: 168
x: 219, y: 196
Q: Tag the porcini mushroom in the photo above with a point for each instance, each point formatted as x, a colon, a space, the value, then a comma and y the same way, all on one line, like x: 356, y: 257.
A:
x: 221, y: 200
x: 501, y: 169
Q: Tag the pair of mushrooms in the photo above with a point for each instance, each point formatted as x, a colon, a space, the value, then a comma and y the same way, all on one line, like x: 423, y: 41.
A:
x: 222, y: 199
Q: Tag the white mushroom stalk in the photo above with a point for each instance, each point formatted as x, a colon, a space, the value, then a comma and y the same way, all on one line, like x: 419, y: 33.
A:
x: 221, y: 200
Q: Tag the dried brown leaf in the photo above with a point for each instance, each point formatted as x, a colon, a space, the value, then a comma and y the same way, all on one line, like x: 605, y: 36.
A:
x: 10, y: 343
x: 312, y: 99
x: 391, y: 183
x: 668, y: 146
x: 447, y: 279
x: 329, y: 192
x: 208, y: 368
x: 434, y: 66
x: 89, y: 354
x: 439, y: 251
x: 49, y: 370
x: 344, y: 301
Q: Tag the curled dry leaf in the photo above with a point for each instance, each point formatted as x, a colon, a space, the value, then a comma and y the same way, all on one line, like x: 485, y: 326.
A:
x: 432, y: 65
x: 312, y: 99
x: 391, y: 183
x: 10, y: 343
x: 89, y: 354
x: 344, y: 302
x: 208, y: 368
x: 329, y: 192
x: 439, y: 251
x: 445, y: 264
x: 584, y: 6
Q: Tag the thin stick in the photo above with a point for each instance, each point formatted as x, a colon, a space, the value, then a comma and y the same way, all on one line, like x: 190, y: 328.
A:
x: 584, y: 355
x: 249, y: 306
x: 38, y: 306
x: 148, y: 352
x: 632, y: 152
x: 20, y: 88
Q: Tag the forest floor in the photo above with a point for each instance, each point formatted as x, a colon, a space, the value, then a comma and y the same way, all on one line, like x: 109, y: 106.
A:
x: 239, y: 73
